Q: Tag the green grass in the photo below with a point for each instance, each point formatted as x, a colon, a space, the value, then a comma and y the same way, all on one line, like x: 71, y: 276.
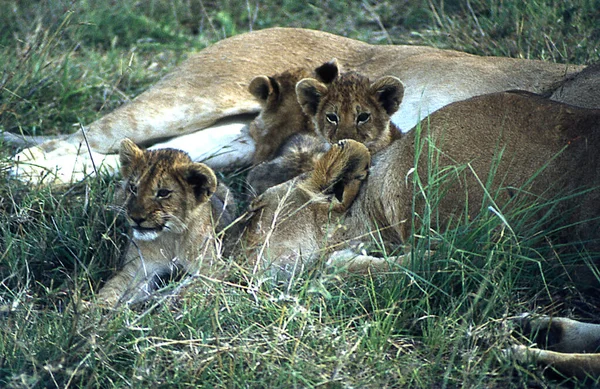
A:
x: 439, y: 323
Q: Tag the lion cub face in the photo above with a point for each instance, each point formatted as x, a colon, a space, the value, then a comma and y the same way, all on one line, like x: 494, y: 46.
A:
x: 162, y: 188
x: 353, y: 107
x: 281, y: 116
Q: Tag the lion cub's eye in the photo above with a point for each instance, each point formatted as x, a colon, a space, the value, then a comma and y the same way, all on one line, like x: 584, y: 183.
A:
x: 332, y: 118
x: 163, y: 193
x: 363, y: 118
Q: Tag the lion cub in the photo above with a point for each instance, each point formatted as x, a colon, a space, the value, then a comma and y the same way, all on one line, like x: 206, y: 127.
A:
x: 288, y: 224
x: 324, y: 102
x: 334, y: 107
x: 353, y: 107
x: 174, y: 207
x: 281, y: 116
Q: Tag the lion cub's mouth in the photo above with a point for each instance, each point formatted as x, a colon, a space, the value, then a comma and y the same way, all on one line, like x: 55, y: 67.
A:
x: 143, y: 233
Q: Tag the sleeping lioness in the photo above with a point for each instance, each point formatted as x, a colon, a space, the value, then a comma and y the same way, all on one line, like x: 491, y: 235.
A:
x: 494, y: 151
x: 552, y: 142
x: 174, y: 207
x: 213, y: 85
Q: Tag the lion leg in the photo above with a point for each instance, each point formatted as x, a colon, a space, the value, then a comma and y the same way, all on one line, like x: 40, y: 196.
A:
x: 131, y: 283
x: 572, y: 345
x: 19, y: 140
x: 576, y: 364
x: 352, y: 262
x: 63, y: 161
x: 562, y: 334
x: 162, y: 112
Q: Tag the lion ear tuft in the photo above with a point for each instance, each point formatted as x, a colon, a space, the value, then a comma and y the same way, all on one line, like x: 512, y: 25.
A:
x: 129, y: 155
x: 328, y: 72
x: 202, y: 179
x: 388, y: 91
x: 310, y: 92
x: 264, y: 88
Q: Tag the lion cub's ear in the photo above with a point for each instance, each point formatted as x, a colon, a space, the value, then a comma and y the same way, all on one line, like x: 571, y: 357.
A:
x: 389, y: 92
x: 328, y: 72
x: 202, y: 180
x: 310, y: 92
x: 129, y: 155
x: 340, y: 173
x: 264, y: 88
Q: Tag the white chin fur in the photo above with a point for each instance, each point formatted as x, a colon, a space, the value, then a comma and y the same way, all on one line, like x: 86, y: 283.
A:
x: 145, y: 235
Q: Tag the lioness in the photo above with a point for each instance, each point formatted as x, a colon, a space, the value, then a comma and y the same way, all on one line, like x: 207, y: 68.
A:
x: 538, y: 149
x: 174, y: 207
x: 535, y: 137
x: 212, y: 85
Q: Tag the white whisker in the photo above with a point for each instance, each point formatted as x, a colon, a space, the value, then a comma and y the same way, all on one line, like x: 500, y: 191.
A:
x: 175, y: 224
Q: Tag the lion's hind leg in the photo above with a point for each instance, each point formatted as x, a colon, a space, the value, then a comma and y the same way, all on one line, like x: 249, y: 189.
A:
x: 568, y: 346
x: 579, y: 365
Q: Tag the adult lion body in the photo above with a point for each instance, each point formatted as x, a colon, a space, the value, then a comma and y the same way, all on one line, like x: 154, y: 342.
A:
x: 212, y: 85
x: 500, y: 151
x: 494, y: 150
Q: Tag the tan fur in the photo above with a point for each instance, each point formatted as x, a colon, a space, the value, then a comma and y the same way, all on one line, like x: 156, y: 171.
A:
x: 171, y: 206
x: 353, y: 107
x: 361, y: 109
x: 548, y: 149
x: 298, y: 155
x: 302, y: 207
x: 529, y: 131
x: 580, y: 89
x: 571, y: 347
x: 281, y: 116
x: 579, y: 365
x: 286, y: 142
x: 212, y: 85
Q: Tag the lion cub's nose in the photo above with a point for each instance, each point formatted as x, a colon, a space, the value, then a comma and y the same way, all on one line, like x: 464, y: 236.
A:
x: 138, y: 220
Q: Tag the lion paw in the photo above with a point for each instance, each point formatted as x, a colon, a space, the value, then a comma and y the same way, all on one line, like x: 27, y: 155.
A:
x: 353, y: 154
x: 60, y: 162
x: 520, y: 353
x: 341, y: 171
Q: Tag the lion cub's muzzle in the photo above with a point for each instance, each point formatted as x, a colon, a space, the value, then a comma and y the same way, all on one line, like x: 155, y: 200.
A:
x: 144, y: 229
x: 143, y: 233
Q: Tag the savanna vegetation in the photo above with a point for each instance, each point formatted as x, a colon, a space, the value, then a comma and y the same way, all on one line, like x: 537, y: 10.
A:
x: 437, y: 323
